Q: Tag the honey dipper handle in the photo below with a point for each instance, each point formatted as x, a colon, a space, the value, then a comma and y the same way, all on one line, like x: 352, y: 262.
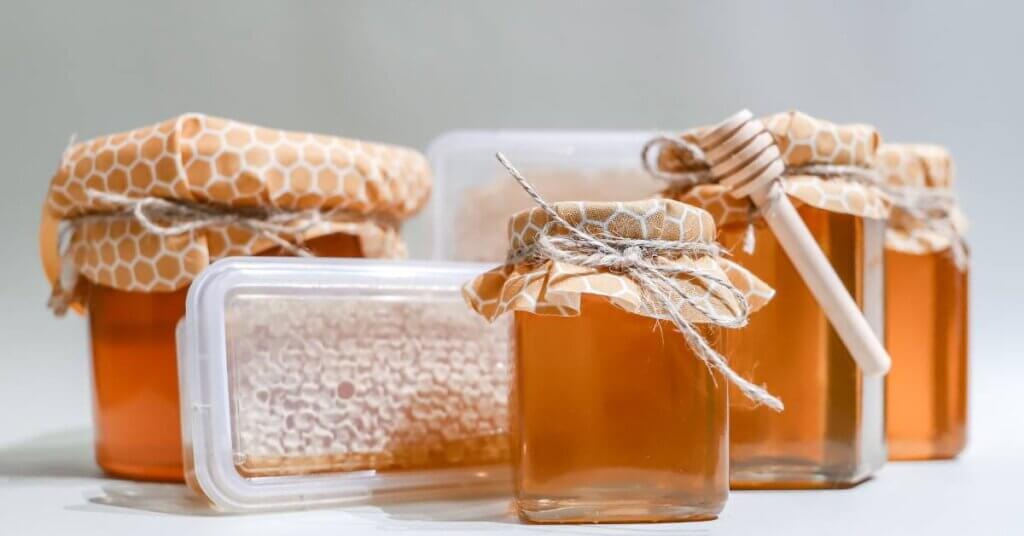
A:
x: 861, y: 341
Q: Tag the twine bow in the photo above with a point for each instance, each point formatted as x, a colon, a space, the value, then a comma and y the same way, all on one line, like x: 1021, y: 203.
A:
x: 638, y: 260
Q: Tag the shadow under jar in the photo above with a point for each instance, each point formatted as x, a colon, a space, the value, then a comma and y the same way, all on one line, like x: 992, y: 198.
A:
x: 135, y: 373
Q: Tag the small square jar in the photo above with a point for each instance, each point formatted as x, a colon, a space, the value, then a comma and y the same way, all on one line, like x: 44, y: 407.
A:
x: 145, y: 211
x: 832, y: 432
x: 474, y: 197
x: 926, y: 305
x: 315, y: 382
x: 616, y: 417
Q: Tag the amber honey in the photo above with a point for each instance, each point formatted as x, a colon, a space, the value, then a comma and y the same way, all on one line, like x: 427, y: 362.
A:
x: 137, y: 423
x: 830, y: 434
x: 926, y: 390
x: 614, y: 420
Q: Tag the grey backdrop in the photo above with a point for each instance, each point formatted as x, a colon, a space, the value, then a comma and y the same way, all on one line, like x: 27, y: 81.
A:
x: 937, y: 71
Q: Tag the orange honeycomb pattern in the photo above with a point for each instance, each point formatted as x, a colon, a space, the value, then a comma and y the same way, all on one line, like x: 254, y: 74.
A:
x: 554, y: 288
x: 803, y: 140
x: 921, y: 168
x: 359, y: 188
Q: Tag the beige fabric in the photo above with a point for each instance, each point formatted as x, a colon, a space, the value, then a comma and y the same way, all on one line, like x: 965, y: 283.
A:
x: 353, y: 187
x: 917, y: 170
x: 554, y: 288
x: 803, y: 141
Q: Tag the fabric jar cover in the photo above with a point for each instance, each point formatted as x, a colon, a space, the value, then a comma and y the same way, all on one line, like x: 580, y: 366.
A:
x: 921, y: 169
x: 352, y: 187
x: 803, y: 141
x: 554, y: 288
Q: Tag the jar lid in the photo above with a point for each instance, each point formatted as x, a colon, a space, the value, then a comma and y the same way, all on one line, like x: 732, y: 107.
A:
x: 554, y: 286
x: 815, y: 152
x: 309, y: 382
x: 150, y: 208
x: 915, y: 165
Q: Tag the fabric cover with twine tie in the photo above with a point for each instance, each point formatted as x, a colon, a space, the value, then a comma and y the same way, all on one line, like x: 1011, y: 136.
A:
x: 554, y: 288
x: 317, y: 185
x: 804, y: 142
x: 930, y: 220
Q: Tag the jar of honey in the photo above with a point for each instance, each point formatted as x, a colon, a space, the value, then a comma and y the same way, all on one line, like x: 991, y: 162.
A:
x: 832, y: 432
x: 926, y: 305
x: 617, y: 412
x: 143, y: 212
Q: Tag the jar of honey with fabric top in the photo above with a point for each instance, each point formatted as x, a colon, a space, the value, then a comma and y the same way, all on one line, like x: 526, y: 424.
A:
x: 926, y: 281
x: 832, y: 432
x: 619, y: 400
x: 143, y: 212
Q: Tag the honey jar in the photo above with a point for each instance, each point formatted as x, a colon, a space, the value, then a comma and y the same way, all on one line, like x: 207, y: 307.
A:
x: 926, y: 282
x: 143, y: 212
x: 832, y: 432
x: 619, y: 399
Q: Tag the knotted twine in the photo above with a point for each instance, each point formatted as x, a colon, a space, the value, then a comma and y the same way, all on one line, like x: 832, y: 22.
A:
x: 934, y: 209
x: 165, y: 218
x: 636, y: 259
x: 684, y: 180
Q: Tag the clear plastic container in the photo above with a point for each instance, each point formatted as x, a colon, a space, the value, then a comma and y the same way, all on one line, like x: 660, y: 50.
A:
x: 474, y: 196
x: 311, y: 382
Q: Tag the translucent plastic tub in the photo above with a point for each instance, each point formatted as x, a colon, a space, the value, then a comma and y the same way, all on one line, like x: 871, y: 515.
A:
x: 474, y: 196
x: 309, y: 382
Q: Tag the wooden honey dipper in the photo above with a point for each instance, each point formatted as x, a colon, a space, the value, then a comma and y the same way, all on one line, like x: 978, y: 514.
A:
x: 743, y: 155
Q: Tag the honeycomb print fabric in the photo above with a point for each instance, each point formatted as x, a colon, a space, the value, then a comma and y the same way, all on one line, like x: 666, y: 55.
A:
x: 920, y: 168
x: 554, y: 288
x: 363, y: 189
x: 803, y: 140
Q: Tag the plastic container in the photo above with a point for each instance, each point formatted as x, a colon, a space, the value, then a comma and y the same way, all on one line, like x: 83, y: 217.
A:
x: 309, y: 382
x: 474, y: 196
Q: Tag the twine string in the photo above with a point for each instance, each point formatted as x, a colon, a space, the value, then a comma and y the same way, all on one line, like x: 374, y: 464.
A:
x: 636, y: 259
x: 934, y: 209
x: 165, y: 218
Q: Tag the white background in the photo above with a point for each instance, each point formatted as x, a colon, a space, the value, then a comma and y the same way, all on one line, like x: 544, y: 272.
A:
x: 939, y: 71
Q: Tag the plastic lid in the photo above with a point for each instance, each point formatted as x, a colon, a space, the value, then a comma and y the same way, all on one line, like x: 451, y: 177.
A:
x: 308, y: 382
x: 474, y: 197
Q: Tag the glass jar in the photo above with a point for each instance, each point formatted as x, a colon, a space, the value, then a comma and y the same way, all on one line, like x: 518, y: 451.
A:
x: 135, y: 374
x: 142, y: 213
x: 926, y: 390
x: 831, y: 434
x: 615, y: 420
x: 616, y: 415
x: 926, y: 305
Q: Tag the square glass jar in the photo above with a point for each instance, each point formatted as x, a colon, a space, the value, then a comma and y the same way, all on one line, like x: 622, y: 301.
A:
x: 832, y: 432
x: 311, y: 382
x: 927, y: 335
x: 614, y: 419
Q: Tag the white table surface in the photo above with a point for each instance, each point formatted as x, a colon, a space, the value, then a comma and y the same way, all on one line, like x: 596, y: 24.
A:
x: 49, y: 485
